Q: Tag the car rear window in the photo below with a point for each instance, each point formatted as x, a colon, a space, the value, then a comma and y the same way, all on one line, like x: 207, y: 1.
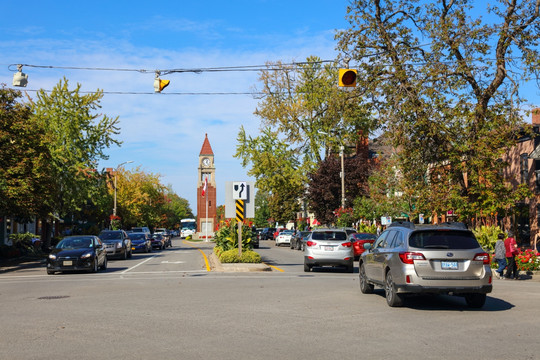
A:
x: 329, y: 235
x: 443, y: 239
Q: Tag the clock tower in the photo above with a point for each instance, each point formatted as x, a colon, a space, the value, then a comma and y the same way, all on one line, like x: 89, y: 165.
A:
x: 206, y: 194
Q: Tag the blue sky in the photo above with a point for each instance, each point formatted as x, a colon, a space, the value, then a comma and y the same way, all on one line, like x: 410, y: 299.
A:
x: 163, y: 134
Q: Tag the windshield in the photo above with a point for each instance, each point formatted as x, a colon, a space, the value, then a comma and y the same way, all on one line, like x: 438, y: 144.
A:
x: 110, y: 235
x: 443, y: 239
x: 286, y: 232
x: 75, y: 243
x: 137, y: 236
x: 365, y: 236
x: 329, y: 235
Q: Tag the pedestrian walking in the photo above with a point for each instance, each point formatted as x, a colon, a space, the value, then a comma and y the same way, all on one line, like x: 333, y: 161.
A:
x: 511, y: 252
x: 500, y: 256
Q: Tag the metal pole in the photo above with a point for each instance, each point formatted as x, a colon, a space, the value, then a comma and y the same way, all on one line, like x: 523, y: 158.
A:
x: 206, y: 222
x: 114, y: 207
x: 342, y: 179
x: 240, y: 226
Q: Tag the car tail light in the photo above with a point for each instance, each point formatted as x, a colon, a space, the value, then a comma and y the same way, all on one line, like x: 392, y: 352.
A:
x: 347, y: 244
x: 311, y: 243
x: 484, y: 257
x: 409, y: 257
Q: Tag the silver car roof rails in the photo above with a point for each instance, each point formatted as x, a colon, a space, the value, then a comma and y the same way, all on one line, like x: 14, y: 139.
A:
x: 406, y: 224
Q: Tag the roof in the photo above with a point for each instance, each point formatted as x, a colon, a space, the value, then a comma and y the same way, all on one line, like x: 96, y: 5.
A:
x: 206, y: 148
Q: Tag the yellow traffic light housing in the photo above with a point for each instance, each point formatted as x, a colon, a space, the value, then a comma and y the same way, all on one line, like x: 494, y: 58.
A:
x: 347, y: 77
x: 160, y: 84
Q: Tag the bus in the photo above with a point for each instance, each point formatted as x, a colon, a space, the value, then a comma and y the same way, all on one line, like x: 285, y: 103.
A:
x: 187, y: 227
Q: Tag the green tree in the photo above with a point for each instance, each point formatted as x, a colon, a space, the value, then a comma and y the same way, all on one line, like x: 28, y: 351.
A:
x: 446, y: 85
x: 25, y: 180
x: 78, y: 139
x: 262, y: 211
x: 303, y: 115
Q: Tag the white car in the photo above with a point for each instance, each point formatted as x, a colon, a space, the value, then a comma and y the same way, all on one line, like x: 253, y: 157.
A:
x: 284, y: 237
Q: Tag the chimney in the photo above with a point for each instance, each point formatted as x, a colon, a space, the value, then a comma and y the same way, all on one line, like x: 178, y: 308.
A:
x: 536, y: 116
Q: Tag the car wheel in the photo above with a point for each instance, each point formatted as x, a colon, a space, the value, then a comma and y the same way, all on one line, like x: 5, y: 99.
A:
x: 50, y: 272
x: 365, y: 286
x: 307, y: 267
x: 350, y: 268
x: 104, y: 266
x: 95, y: 265
x: 393, y: 299
x: 475, y: 301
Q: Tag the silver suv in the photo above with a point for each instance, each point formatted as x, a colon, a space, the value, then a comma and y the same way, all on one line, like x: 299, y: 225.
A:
x: 437, y: 259
x: 328, y: 247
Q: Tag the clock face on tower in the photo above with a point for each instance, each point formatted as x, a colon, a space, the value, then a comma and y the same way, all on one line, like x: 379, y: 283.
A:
x: 206, y: 162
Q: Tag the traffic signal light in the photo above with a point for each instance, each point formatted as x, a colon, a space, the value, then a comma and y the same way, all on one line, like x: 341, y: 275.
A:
x: 160, y: 84
x: 347, y: 77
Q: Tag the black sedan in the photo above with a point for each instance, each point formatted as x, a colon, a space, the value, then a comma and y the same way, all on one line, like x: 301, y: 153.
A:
x: 73, y: 253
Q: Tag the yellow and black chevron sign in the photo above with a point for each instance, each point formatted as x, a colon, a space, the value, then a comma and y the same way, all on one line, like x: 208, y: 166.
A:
x: 240, y: 210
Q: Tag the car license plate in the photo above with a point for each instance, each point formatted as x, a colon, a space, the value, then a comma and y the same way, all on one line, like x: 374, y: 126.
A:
x: 449, y: 265
x: 328, y: 248
x: 68, y: 263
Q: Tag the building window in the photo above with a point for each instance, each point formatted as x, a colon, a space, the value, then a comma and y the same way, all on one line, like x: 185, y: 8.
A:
x: 524, y: 168
x: 203, y: 175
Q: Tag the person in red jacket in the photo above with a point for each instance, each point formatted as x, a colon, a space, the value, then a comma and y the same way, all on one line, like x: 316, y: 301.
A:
x: 511, y: 252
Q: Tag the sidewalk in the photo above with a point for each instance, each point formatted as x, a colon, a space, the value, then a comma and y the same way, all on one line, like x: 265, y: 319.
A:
x: 20, y: 263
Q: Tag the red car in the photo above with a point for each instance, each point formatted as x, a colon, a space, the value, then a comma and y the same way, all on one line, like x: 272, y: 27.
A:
x: 358, y: 240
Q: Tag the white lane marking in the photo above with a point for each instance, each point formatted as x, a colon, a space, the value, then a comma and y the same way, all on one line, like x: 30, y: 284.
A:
x: 139, y: 264
x: 172, y: 262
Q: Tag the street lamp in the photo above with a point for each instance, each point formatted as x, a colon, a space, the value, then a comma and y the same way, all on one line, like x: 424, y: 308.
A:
x: 115, y: 172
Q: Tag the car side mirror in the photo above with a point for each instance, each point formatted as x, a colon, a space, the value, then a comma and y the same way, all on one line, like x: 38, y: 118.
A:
x: 367, y: 246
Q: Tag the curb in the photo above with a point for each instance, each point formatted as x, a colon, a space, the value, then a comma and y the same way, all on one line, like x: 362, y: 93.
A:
x: 217, y: 266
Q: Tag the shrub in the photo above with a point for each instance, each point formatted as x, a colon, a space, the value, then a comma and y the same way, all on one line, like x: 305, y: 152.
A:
x: 529, y: 260
x: 365, y: 228
x: 231, y: 256
x: 227, y: 236
x: 487, y: 236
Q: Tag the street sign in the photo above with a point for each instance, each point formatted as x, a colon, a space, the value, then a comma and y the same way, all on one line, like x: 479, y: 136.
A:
x: 240, y: 190
x: 240, y: 211
x: 249, y: 201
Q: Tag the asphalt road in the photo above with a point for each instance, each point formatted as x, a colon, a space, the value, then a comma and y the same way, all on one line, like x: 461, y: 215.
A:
x: 167, y: 305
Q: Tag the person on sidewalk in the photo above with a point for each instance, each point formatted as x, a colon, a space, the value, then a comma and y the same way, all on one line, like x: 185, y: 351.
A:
x: 511, y: 252
x: 500, y: 256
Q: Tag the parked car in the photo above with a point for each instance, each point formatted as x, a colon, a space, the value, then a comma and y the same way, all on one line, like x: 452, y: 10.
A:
x: 268, y: 234
x: 305, y: 237
x: 358, y: 240
x: 81, y: 252
x: 117, y: 242
x: 297, y: 239
x: 277, y: 232
x: 158, y: 242
x: 255, y: 237
x: 328, y: 247
x: 143, y: 229
x: 284, y: 237
x: 433, y: 259
x: 140, y: 242
x: 166, y: 236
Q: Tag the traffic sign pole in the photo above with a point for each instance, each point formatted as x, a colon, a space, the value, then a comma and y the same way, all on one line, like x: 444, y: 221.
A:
x: 240, y: 222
